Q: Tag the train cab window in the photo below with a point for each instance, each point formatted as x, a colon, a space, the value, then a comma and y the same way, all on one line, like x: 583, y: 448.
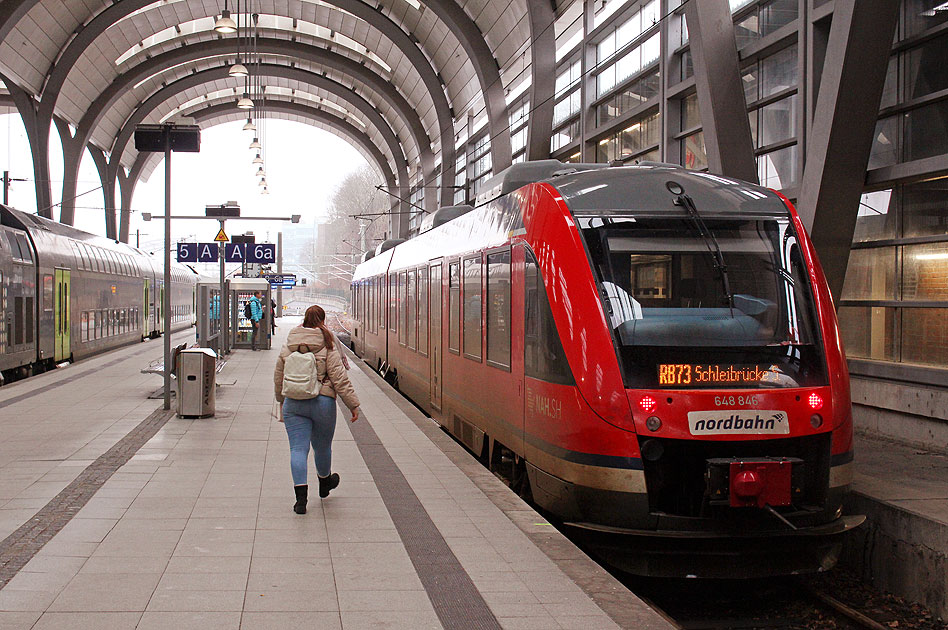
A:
x: 423, y: 310
x: 544, y: 358
x: 498, y: 309
x: 454, y: 307
x: 472, y: 308
x: 412, y: 308
x: 26, y: 252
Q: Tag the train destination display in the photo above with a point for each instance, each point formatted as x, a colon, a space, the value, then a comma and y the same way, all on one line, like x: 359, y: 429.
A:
x: 697, y: 375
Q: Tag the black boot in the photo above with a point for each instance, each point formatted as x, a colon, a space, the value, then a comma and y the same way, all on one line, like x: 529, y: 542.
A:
x: 301, y: 494
x: 328, y: 483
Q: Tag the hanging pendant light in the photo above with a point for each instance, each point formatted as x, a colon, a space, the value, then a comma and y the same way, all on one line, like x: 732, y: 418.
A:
x: 249, y: 126
x: 225, y: 24
x: 258, y: 160
x: 238, y: 70
x: 264, y: 191
x: 261, y: 172
x: 245, y: 102
x: 255, y: 144
x: 262, y: 182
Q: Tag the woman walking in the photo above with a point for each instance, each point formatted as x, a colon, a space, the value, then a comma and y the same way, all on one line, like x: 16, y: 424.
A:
x: 307, y: 386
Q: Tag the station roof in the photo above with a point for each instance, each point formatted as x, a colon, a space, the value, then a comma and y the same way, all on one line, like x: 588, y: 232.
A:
x: 398, y: 72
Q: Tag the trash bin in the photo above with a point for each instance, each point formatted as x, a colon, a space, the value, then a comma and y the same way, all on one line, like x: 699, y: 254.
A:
x: 196, y: 382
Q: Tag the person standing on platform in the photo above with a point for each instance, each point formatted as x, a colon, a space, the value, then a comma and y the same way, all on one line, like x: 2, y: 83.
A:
x: 256, y: 316
x: 273, y: 316
x: 309, y: 374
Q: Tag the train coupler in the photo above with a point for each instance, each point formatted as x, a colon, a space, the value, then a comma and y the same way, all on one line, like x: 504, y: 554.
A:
x: 754, y: 482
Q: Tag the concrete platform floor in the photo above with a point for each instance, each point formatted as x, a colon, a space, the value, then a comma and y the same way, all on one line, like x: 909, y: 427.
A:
x: 194, y: 527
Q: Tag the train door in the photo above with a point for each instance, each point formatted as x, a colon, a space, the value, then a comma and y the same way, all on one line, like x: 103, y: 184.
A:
x: 62, y: 321
x: 159, y: 305
x: 434, y: 311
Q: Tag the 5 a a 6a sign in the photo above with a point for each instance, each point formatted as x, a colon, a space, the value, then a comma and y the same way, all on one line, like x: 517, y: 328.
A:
x: 198, y: 252
x: 258, y: 253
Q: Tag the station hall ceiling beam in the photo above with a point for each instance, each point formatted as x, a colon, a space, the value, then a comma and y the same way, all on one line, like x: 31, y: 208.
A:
x: 844, y: 120
x: 542, y: 14
x: 727, y: 133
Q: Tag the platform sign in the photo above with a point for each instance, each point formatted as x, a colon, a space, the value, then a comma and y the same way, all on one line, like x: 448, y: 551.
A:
x: 235, y: 252
x: 263, y: 253
x: 187, y: 252
x: 280, y: 278
x: 208, y: 252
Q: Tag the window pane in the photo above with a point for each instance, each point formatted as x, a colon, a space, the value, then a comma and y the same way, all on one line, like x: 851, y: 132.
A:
x: 925, y: 272
x: 876, y: 217
x: 870, y: 274
x: 472, y: 307
x: 454, y: 306
x: 778, y: 169
x: 412, y: 308
x: 498, y: 308
x: 750, y: 84
x: 777, y: 14
x: 696, y: 156
x: 777, y: 121
x: 778, y: 72
x: 747, y: 31
x: 690, y: 116
x: 423, y: 310
x: 926, y: 132
x: 869, y: 332
x: 393, y: 301
x: 544, y: 357
x: 920, y: 15
x: 925, y: 336
x: 925, y: 208
x: 890, y: 92
x: 885, y: 143
x: 402, y: 309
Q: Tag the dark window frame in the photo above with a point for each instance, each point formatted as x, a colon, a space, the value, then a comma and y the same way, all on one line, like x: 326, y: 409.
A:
x: 506, y: 249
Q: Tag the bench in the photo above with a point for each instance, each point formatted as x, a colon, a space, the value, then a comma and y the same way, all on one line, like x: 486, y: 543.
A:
x: 158, y: 365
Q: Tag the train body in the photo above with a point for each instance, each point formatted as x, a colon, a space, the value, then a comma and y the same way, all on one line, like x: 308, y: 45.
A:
x: 652, y: 352
x: 66, y: 294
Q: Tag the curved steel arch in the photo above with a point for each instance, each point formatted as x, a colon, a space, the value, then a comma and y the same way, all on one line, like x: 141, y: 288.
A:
x: 295, y: 74
x: 101, y: 105
x: 488, y: 75
x: 67, y: 58
x: 543, y: 79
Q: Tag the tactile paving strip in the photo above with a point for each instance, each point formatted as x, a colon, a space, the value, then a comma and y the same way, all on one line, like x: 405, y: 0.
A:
x: 19, y: 547
x: 453, y: 595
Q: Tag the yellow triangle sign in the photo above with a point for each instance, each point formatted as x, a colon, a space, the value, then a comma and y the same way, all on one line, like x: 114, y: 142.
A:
x: 221, y: 236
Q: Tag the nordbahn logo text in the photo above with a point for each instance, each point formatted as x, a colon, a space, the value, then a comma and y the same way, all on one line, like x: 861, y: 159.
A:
x: 738, y: 422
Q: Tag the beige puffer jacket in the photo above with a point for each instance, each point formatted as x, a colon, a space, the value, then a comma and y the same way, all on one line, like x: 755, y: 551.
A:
x: 338, y: 381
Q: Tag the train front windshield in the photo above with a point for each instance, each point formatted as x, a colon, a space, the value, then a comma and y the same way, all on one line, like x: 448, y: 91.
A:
x: 702, y: 302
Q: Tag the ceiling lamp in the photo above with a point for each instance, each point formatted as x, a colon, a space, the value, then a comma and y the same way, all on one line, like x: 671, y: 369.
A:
x: 255, y: 144
x: 249, y: 126
x: 264, y: 191
x: 238, y: 70
x: 258, y: 159
x: 225, y: 25
x: 262, y: 182
x: 245, y: 102
x: 260, y: 172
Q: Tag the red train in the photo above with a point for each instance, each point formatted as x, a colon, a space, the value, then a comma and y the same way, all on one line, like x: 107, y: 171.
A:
x: 651, y: 353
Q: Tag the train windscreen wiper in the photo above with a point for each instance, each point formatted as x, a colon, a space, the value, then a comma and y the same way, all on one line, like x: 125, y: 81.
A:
x: 711, y: 242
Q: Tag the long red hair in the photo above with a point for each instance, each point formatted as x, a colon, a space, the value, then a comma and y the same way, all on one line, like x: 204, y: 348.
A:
x: 315, y: 317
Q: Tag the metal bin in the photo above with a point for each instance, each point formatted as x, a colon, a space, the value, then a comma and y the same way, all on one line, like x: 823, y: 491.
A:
x: 196, y: 382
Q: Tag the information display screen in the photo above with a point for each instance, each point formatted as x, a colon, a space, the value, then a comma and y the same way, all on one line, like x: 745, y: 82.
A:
x: 715, y: 375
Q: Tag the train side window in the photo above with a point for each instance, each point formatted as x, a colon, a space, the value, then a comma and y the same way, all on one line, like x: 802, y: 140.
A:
x: 423, y: 310
x: 454, y: 307
x: 87, y: 260
x: 17, y: 320
x: 544, y: 357
x: 84, y: 326
x: 381, y: 304
x: 472, y: 308
x: 29, y: 319
x: 412, y: 308
x: 498, y: 309
x: 392, y: 302
x: 25, y: 250
x: 402, y: 309
x: 14, y: 247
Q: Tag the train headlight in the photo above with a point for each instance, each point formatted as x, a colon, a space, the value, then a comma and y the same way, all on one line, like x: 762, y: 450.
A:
x: 654, y: 423
x: 816, y: 421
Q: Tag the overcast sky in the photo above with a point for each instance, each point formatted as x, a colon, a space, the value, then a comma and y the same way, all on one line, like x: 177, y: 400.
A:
x: 303, y: 166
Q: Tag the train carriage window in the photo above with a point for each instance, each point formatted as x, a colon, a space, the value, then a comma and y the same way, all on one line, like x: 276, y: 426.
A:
x: 498, y: 309
x: 402, y: 309
x: 88, y: 262
x: 544, y: 358
x: 29, y: 320
x: 423, y: 310
x: 381, y: 304
x: 412, y: 323
x: 48, y: 292
x: 392, y: 302
x: 17, y: 320
x: 14, y: 246
x: 454, y: 307
x: 77, y: 254
x: 92, y: 326
x: 472, y: 308
x: 26, y: 252
x: 84, y: 326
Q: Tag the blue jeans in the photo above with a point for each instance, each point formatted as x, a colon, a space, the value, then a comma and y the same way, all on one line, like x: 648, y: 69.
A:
x: 311, y: 421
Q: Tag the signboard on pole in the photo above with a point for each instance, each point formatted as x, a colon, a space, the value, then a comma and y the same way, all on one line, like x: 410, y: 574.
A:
x: 263, y: 253
x: 235, y: 252
x: 208, y: 252
x: 198, y: 252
